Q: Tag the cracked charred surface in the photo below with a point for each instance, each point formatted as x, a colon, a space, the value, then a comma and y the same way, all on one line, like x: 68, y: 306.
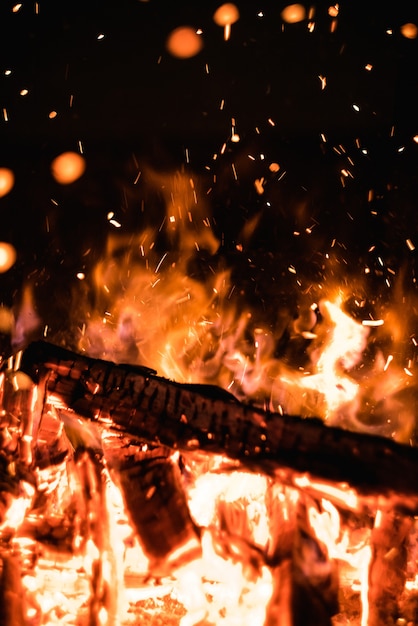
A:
x: 187, y: 417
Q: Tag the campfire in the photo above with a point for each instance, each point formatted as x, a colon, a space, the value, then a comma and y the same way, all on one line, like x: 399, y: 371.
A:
x: 234, y: 483
x: 188, y: 435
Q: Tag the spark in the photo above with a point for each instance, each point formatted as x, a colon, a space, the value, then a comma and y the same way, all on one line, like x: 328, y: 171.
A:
x: 17, y: 7
x: 271, y: 122
x: 372, y: 323
x: 356, y: 108
x: 5, y: 115
x: 410, y: 245
x: 323, y: 80
x: 388, y: 362
x: 160, y: 262
x: 333, y: 26
x: 115, y: 223
x: 258, y: 184
x: 368, y: 67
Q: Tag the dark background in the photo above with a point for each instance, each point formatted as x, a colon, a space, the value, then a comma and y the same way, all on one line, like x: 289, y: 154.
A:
x: 129, y: 105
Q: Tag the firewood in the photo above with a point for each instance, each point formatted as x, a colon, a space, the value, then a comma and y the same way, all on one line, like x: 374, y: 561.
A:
x: 12, y: 600
x: 388, y: 567
x: 157, y: 506
x: 305, y: 578
x: 187, y: 417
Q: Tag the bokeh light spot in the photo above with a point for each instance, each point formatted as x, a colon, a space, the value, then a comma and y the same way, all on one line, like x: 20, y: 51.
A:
x: 7, y: 256
x: 293, y: 13
x: 68, y: 167
x: 7, y: 180
x: 183, y: 42
x: 226, y: 14
x: 409, y: 30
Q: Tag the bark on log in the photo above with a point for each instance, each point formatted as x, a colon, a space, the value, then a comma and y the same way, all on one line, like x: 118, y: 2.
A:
x: 187, y: 417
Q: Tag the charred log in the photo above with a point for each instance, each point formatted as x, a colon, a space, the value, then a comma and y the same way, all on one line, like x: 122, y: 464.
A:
x: 186, y: 417
x: 305, y: 590
x: 12, y: 605
x: 156, y: 503
x: 388, y: 567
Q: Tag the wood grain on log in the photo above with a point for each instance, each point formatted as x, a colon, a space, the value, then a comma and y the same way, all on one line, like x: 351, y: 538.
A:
x: 186, y: 417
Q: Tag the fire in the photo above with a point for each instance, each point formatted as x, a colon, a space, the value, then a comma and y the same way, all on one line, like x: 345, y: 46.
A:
x: 110, y: 527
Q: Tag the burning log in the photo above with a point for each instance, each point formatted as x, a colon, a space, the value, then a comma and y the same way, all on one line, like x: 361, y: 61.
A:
x: 305, y: 588
x: 157, y: 505
x: 187, y: 417
x: 388, y: 567
x: 11, y: 592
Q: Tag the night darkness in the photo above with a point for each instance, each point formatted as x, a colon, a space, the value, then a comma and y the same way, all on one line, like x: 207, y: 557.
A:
x: 348, y: 178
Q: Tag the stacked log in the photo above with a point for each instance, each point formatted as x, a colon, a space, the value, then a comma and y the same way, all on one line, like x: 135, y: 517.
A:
x: 301, y: 456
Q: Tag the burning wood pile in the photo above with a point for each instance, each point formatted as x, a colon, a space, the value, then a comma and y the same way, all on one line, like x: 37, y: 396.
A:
x: 130, y: 498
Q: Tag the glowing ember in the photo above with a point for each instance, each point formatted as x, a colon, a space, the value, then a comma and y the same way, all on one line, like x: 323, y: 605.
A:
x: 68, y: 167
x: 293, y: 13
x: 226, y: 15
x: 409, y: 30
x: 7, y: 256
x: 184, y: 42
x: 7, y: 180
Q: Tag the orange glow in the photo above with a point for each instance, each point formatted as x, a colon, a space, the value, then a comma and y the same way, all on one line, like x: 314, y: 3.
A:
x: 151, y: 310
x: 226, y: 15
x: 7, y: 180
x: 68, y: 167
x: 7, y: 256
x: 184, y: 42
x: 409, y: 30
x: 333, y: 10
x: 293, y: 13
